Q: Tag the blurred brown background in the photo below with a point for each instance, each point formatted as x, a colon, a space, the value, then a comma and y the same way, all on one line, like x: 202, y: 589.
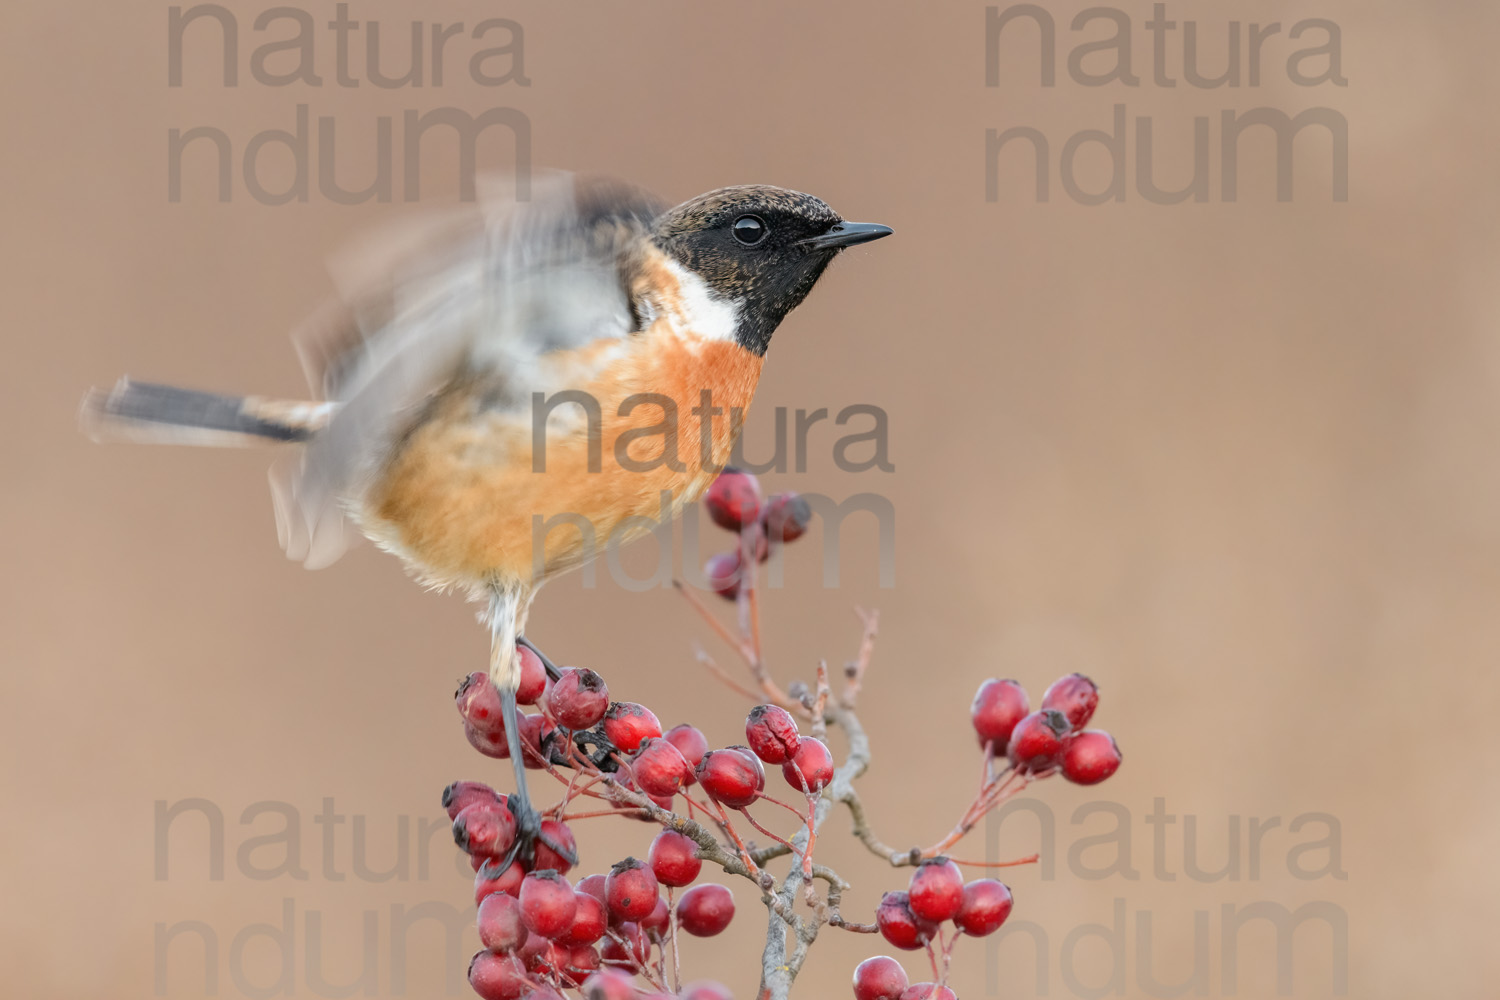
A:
x: 1236, y: 461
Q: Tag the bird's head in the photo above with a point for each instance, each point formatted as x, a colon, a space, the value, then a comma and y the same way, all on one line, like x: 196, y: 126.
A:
x: 759, y: 248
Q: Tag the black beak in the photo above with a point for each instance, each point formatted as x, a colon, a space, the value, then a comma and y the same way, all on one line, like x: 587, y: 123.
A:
x: 847, y: 234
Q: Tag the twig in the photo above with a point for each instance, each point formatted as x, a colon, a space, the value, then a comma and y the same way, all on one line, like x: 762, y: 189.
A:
x: 820, y: 703
x: 713, y: 621
x: 721, y: 674
x: 854, y: 673
x: 770, y: 691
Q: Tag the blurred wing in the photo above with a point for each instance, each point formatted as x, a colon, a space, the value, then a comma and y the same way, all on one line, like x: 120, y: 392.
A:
x: 485, y: 290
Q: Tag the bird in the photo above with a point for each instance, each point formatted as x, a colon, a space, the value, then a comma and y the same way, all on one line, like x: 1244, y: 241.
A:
x: 558, y: 359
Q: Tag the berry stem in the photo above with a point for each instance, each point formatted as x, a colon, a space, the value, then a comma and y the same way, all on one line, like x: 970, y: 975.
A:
x: 785, y: 805
x: 769, y: 689
x: 988, y: 799
x: 601, y: 812
x: 779, y: 839
x: 739, y: 844
x: 812, y: 837
x: 1030, y: 859
x: 723, y: 675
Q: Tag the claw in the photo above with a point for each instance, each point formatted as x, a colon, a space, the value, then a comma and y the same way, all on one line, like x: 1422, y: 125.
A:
x: 602, y: 756
x: 529, y: 834
x: 568, y: 854
x: 528, y: 830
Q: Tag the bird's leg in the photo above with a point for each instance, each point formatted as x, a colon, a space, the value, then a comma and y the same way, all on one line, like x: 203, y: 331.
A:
x: 506, y: 608
x: 553, y: 671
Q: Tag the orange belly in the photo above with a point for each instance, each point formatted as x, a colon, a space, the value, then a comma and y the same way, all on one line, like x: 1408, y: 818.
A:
x: 461, y: 501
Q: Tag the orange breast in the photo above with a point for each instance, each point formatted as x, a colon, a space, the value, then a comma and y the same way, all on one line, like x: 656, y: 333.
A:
x: 462, y: 502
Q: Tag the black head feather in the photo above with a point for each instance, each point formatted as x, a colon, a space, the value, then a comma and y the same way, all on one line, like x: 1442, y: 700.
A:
x: 750, y: 244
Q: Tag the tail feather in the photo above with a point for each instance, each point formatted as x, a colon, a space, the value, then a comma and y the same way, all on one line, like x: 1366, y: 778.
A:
x: 144, y: 412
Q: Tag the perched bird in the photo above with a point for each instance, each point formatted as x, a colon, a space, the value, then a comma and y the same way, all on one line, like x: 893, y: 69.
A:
x: 510, y: 390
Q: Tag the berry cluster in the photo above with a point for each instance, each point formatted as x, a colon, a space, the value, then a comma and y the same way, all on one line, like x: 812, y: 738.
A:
x: 616, y: 934
x: 1050, y: 739
x: 913, y: 919
x: 734, y: 503
x: 542, y: 932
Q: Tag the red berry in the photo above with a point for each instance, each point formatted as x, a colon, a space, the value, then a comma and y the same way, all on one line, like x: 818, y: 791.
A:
x: 998, y: 706
x: 760, y: 769
x: 465, y: 793
x: 497, y: 977
x: 485, y: 829
x: 900, y: 926
x: 786, y: 517
x: 630, y: 890
x: 626, y: 724
x: 495, y: 875
x: 537, y: 954
x: 609, y: 984
x: 479, y: 704
x: 928, y: 991
x: 1075, y: 696
x: 658, y: 920
x: 627, y: 944
x: 733, y: 500
x: 589, y: 921
x: 533, y: 676
x: 674, y: 858
x: 659, y: 769
x: 1089, y: 757
x: 879, y: 978
x: 730, y: 777
x: 500, y: 924
x: 557, y: 832
x: 489, y: 744
x: 548, y: 903
x: 986, y: 905
x: 722, y: 571
x: 705, y: 990
x: 1036, y: 745
x: 705, y: 910
x: 689, y: 741
x: 811, y: 768
x: 578, y: 698
x: 593, y: 885
x: 772, y: 733
x: 936, y: 890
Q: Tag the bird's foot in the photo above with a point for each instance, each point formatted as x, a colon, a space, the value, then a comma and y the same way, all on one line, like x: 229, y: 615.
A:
x: 529, y: 834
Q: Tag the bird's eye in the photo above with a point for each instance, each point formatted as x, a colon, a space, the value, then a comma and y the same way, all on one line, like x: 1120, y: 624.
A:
x: 749, y: 230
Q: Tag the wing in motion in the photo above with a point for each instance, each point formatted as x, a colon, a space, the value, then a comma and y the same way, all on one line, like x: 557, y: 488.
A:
x: 489, y: 289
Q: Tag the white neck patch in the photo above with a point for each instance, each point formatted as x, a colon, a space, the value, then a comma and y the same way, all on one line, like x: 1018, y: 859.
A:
x: 707, y: 315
